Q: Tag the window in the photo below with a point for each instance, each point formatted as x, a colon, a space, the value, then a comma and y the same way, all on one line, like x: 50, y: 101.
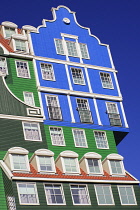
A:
x: 19, y: 162
x: 31, y: 131
x: 45, y: 163
x: 77, y: 76
x: 106, y: 80
x: 59, y: 46
x: 70, y: 165
x: 57, y: 136
x: 104, y: 195
x: 11, y: 203
x: 54, y: 194
x: 47, y: 71
x: 79, y: 138
x: 9, y: 32
x: 101, y: 140
x: 84, y: 111
x: 116, y: 167
x: 27, y: 193
x: 84, y: 51
x: 127, y: 195
x: 3, y: 66
x: 72, y: 48
x: 93, y: 165
x: 22, y: 69
x: 29, y: 98
x: 80, y: 195
x: 53, y: 107
x: 113, y: 114
x: 20, y: 45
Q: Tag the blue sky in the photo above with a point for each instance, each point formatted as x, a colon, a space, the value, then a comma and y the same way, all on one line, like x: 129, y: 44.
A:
x: 114, y: 22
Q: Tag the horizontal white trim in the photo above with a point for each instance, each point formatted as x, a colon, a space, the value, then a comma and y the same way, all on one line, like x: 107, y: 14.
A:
x: 9, y: 24
x: 14, y: 117
x: 79, y: 93
x: 69, y: 36
x: 74, y: 180
x: 19, y: 36
x: 6, y: 169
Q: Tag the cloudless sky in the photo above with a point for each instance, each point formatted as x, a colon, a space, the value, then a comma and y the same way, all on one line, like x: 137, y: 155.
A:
x: 114, y: 22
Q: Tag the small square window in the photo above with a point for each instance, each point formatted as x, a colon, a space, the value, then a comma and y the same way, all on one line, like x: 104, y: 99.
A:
x: 57, y: 136
x: 71, y: 47
x: 20, y: 45
x: 54, y: 194
x: 29, y: 98
x: 127, y: 195
x: 31, y: 131
x: 27, y: 193
x: 77, y: 76
x: 22, y: 69
x: 104, y: 195
x: 47, y: 71
x: 116, y: 167
x: 80, y: 195
x: 84, y: 51
x: 70, y: 165
x: 45, y: 164
x: 106, y: 80
x: 3, y: 66
x: 101, y: 140
x: 79, y: 138
x: 9, y: 32
x: 19, y: 162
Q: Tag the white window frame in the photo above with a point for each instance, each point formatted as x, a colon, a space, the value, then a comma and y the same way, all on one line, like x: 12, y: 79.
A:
x: 75, y: 56
x: 82, y: 75
x: 36, y: 193
x: 29, y: 77
x: 88, y: 109
x: 105, y: 137
x: 110, y: 189
x: 133, y: 193
x: 5, y: 62
x: 52, y: 71
x: 87, y: 194
x: 86, y: 49
x: 76, y: 165
x: 62, y: 194
x: 122, y: 168
x: 110, y: 80
x: 32, y: 95
x: 21, y: 51
x: 117, y: 112
x: 14, y: 29
x: 26, y: 163
x: 62, y: 136
x: 52, y: 164
x: 86, y: 146
x: 99, y: 164
x: 39, y: 131
x: 62, y: 47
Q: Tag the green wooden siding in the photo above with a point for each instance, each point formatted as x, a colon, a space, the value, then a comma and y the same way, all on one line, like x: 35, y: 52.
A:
x: 69, y: 204
x: 81, y: 151
x: 3, y: 205
x: 17, y: 84
x: 11, y: 135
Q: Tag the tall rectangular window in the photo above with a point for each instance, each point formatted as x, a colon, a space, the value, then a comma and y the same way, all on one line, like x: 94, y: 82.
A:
x: 54, y: 194
x: 9, y: 32
x: 22, y: 69
x: 27, y: 193
x: 116, y: 166
x: 31, y: 131
x: 20, y: 45
x: 47, y: 71
x: 57, y: 136
x: 113, y: 114
x: 101, y: 140
x: 80, y: 195
x: 93, y: 165
x: 77, y: 76
x: 71, y: 47
x: 79, y: 138
x: 84, y: 50
x: 70, y: 165
x: 3, y: 66
x: 127, y: 195
x: 19, y: 162
x: 84, y: 111
x: 104, y: 195
x: 59, y: 46
x: 29, y: 98
x: 106, y: 80
x: 45, y: 163
x: 53, y: 107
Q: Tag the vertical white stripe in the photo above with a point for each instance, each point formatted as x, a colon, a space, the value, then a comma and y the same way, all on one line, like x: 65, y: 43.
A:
x: 68, y: 77
x: 88, y: 81
x: 30, y: 44
x: 79, y: 51
x: 123, y: 113
x: 117, y: 84
x: 97, y: 112
x: 65, y: 48
x: 71, y: 110
x: 110, y: 56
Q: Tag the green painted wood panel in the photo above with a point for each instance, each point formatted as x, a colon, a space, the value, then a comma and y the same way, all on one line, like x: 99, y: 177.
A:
x: 3, y: 204
x: 17, y: 84
x: 81, y: 151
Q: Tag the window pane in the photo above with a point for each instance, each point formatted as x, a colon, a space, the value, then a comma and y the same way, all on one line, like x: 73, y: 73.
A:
x: 54, y: 194
x: 127, y: 195
x: 93, y: 166
x: 53, y: 108
x: 106, y: 80
x: 70, y: 165
x: 104, y: 194
x: 101, y: 140
x: 29, y: 98
x: 3, y: 66
x: 31, y: 131
x: 116, y: 167
x: 47, y: 71
x: 77, y: 76
x: 19, y: 162
x: 20, y: 45
x: 9, y: 32
x: 22, y: 69
x: 59, y: 46
x: 80, y: 138
x: 57, y: 136
x: 45, y: 163
x: 84, y: 111
x: 80, y: 194
x: 71, y: 47
x: 84, y: 51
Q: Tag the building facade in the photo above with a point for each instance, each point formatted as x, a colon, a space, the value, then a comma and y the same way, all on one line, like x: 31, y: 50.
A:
x: 62, y: 107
